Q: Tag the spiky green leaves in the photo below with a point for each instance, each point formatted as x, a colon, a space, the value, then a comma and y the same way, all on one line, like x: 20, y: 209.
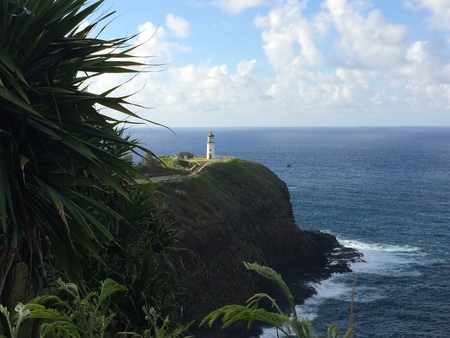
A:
x: 58, y: 152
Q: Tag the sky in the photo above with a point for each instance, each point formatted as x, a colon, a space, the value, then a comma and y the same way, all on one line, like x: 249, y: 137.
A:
x: 231, y: 63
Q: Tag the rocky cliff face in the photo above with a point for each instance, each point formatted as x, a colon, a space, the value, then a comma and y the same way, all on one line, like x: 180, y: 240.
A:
x: 233, y: 212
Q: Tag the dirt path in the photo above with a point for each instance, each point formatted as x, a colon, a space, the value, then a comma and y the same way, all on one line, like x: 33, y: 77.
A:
x: 195, y: 170
x: 199, y: 167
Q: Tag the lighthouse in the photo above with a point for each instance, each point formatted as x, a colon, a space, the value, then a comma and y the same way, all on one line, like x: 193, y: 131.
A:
x: 210, y: 146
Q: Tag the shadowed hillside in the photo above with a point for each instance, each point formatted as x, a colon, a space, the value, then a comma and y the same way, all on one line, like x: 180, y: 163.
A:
x: 232, y: 212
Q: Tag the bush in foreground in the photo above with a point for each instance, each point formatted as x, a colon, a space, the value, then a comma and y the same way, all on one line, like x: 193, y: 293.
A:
x: 288, y: 324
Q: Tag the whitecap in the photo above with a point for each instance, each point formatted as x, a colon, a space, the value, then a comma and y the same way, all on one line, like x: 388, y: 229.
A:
x: 361, y: 246
x: 332, y: 288
x: 379, y: 259
x: 386, y: 259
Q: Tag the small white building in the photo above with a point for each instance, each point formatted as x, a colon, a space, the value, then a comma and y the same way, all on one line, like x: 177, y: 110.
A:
x: 210, y: 146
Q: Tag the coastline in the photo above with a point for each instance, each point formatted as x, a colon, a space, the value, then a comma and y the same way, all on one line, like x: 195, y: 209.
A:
x: 359, y: 184
x: 339, y: 257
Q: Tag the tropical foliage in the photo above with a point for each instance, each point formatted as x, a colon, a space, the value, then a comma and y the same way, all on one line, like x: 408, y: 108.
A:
x: 68, y: 202
x: 76, y: 316
x: 144, y: 256
x: 57, y: 148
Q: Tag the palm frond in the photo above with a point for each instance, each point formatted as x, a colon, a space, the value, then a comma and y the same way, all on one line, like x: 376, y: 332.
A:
x: 58, y: 163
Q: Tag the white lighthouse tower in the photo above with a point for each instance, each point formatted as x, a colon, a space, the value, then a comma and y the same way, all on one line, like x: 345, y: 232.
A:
x: 210, y: 146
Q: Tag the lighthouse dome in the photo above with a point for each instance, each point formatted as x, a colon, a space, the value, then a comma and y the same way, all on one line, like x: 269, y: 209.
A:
x: 210, y: 134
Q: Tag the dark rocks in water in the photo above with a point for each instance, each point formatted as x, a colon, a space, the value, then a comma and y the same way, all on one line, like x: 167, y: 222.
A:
x: 339, y: 257
x: 346, y: 254
x: 326, y: 242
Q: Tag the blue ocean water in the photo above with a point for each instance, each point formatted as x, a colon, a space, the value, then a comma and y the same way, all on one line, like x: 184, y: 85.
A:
x: 383, y: 191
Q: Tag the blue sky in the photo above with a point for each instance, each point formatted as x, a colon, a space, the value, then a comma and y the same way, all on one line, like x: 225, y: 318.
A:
x: 288, y: 62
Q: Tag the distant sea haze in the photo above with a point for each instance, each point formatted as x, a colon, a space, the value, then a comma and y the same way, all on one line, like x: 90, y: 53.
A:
x: 384, y: 191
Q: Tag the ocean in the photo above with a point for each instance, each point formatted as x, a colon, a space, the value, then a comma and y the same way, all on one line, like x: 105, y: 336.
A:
x: 382, y: 191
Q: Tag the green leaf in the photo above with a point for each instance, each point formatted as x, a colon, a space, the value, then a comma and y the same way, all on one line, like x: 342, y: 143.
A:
x: 60, y: 328
x: 109, y: 287
x: 274, y: 276
x: 7, y: 61
x: 333, y: 331
x: 9, y: 96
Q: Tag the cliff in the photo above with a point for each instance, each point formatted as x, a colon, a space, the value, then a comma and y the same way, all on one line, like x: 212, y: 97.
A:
x: 232, y: 212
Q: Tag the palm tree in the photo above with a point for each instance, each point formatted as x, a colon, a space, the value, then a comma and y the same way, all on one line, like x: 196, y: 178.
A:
x: 57, y: 148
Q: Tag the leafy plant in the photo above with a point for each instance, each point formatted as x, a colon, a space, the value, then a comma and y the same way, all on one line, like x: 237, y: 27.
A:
x: 289, y: 324
x: 81, y: 317
x: 14, y: 325
x: 76, y: 317
x: 144, y: 257
x: 58, y: 148
x: 157, y: 330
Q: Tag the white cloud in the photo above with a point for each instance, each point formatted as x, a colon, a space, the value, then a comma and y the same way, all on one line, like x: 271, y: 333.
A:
x: 177, y: 25
x: 366, y: 67
x: 179, y: 93
x: 238, y: 6
x: 288, y: 37
x: 416, y: 53
x: 155, y: 44
x: 344, y: 64
x: 205, y: 93
x: 245, y: 68
x: 439, y: 17
x: 366, y: 41
x: 213, y: 85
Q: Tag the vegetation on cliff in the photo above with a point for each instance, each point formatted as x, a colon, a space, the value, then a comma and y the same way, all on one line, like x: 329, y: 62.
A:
x: 163, y: 165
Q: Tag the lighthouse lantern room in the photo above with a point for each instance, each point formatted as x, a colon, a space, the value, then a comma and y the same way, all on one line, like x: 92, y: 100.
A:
x: 210, y: 146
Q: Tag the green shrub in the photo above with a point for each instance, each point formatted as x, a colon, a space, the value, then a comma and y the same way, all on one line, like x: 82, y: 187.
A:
x: 144, y: 257
x: 78, y: 316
